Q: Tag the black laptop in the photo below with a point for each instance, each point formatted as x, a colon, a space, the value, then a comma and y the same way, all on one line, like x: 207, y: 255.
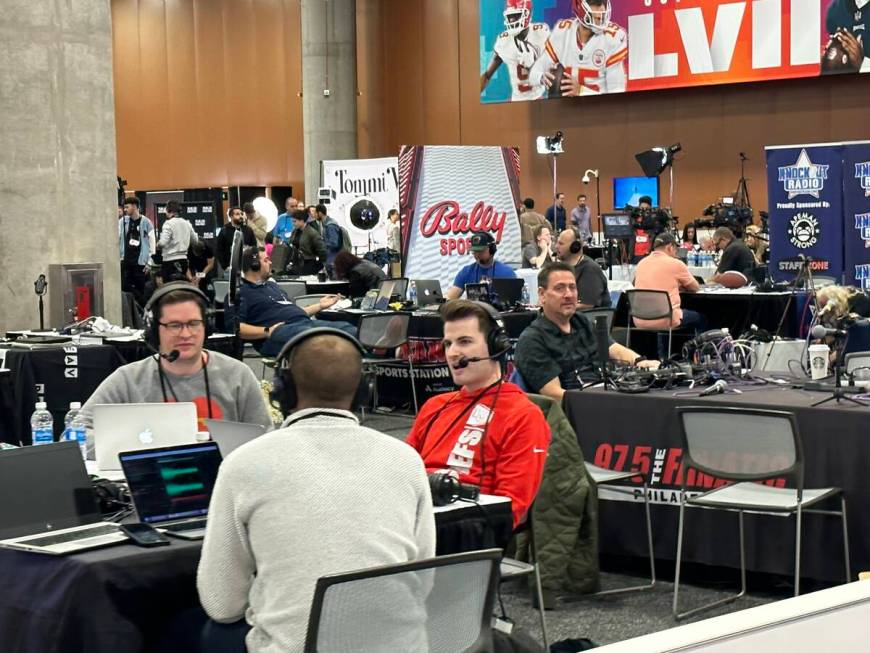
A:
x: 509, y: 291
x: 171, y: 487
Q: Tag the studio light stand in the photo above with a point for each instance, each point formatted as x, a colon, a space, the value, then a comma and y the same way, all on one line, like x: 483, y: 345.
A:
x: 586, y: 180
x: 552, y: 146
x: 40, y: 287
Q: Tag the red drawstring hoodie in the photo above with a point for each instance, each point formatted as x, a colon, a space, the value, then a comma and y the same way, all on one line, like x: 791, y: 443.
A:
x: 451, y: 428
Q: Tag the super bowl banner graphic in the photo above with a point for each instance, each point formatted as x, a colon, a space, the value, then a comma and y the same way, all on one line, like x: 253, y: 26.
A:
x: 538, y: 49
x: 364, y: 192
x: 447, y: 193
x: 805, y: 202
x: 856, y: 207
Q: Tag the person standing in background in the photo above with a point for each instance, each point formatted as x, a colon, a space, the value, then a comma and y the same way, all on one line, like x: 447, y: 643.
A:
x: 529, y: 220
x: 556, y: 213
x: 284, y: 226
x: 256, y: 222
x: 176, y: 237
x: 137, y: 243
x: 581, y: 218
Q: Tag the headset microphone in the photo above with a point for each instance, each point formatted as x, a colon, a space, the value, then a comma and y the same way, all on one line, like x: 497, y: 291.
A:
x: 171, y: 357
x: 464, y: 362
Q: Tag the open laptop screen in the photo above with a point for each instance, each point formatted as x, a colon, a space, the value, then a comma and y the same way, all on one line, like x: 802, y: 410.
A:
x: 45, y: 488
x: 172, y: 483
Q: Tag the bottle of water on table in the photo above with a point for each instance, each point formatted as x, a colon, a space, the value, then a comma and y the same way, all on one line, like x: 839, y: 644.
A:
x: 412, y: 293
x: 42, y: 425
x: 74, y: 430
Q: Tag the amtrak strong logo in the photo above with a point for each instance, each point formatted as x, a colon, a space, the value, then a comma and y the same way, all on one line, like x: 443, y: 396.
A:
x: 804, y: 230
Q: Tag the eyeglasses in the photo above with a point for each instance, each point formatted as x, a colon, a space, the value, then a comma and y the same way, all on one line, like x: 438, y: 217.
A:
x: 175, y: 328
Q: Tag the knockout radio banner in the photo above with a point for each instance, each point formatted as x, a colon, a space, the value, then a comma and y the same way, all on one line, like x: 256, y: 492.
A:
x: 447, y: 193
x: 805, y: 202
x: 856, y: 206
x: 538, y: 49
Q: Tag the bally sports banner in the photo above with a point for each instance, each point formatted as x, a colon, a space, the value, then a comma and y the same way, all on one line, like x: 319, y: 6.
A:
x: 856, y: 205
x: 537, y: 49
x: 364, y: 190
x: 805, y: 202
x: 447, y: 193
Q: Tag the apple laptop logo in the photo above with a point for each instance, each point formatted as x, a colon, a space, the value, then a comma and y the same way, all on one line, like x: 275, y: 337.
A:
x: 146, y: 437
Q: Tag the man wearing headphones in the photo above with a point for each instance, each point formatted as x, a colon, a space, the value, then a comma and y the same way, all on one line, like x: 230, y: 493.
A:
x: 220, y: 386
x: 484, y: 268
x: 558, y: 351
x: 321, y: 495
x: 488, y: 433
x: 267, y: 316
x: 592, y: 289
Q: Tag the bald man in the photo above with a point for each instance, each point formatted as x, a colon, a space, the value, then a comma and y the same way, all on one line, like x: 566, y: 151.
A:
x: 283, y: 229
x: 319, y: 496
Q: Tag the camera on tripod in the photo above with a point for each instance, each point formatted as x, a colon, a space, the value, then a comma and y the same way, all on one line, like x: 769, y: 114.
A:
x: 736, y: 218
x: 652, y: 219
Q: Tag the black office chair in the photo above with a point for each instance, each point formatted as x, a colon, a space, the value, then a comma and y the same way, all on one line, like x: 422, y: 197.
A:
x: 442, y: 604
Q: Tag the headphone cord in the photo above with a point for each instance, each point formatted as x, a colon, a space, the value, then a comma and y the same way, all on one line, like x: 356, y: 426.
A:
x: 164, y: 381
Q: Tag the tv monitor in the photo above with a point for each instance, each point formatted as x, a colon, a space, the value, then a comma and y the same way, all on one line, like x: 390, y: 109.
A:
x: 627, y: 191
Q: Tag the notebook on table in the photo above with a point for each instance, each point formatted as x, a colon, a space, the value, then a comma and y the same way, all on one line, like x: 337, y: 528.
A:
x: 55, y: 510
x: 171, y: 487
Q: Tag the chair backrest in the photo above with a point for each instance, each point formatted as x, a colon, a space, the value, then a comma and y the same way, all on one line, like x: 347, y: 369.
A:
x: 384, y: 330
x: 592, y: 313
x: 858, y: 363
x: 442, y: 604
x: 294, y: 289
x: 649, y: 304
x: 304, y: 301
x: 517, y: 379
x: 738, y: 444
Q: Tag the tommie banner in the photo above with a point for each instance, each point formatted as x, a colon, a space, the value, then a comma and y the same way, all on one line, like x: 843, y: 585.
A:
x: 856, y: 206
x: 535, y: 49
x: 364, y: 191
x: 805, y: 202
x: 447, y: 193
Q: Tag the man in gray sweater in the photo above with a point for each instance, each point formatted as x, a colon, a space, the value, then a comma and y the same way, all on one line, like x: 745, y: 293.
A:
x: 221, y: 387
x: 322, y: 495
x: 176, y: 235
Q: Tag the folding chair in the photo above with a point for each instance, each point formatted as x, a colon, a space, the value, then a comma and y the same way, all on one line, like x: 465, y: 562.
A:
x: 746, y: 446
x: 439, y: 605
x: 857, y: 365
x: 608, y: 312
x: 650, y: 305
x: 293, y: 289
x: 386, y: 331
x: 304, y: 301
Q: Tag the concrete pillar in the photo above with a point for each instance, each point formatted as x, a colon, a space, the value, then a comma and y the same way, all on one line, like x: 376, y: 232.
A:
x: 57, y: 150
x: 328, y: 64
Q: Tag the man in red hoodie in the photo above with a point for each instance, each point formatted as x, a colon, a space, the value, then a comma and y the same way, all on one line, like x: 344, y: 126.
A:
x: 488, y: 433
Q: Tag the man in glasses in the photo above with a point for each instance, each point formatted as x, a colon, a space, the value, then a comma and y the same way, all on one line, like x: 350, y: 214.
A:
x: 220, y: 386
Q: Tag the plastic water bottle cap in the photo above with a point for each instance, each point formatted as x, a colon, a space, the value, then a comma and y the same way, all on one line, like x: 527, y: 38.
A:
x: 41, y: 405
x: 75, y: 405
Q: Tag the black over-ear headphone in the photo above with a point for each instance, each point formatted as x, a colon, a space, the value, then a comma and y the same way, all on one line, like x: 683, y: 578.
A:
x: 152, y: 335
x: 251, y: 259
x: 497, y: 342
x: 284, y: 387
x: 577, y: 245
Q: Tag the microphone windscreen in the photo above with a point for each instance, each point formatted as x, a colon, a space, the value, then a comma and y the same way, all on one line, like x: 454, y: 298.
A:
x: 819, y: 331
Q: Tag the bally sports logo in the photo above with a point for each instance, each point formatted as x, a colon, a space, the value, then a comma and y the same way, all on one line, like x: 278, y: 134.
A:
x: 804, y: 177
x: 862, y: 174
x: 446, y: 218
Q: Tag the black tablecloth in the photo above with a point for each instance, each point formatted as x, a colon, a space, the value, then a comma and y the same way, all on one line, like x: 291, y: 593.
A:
x: 621, y: 431
x: 122, y: 599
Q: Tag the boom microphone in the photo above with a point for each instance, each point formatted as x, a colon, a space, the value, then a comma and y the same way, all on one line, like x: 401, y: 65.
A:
x: 171, y: 357
x: 717, y: 388
x: 464, y: 362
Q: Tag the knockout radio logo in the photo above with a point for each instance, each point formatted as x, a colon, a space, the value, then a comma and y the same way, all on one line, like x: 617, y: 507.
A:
x: 862, y: 225
x: 862, y: 174
x: 804, y: 177
x: 862, y: 275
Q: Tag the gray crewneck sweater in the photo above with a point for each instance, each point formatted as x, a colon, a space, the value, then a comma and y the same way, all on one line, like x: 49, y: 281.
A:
x: 321, y: 496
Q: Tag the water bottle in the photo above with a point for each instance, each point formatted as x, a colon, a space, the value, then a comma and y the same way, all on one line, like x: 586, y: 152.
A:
x: 525, y: 299
x: 42, y: 425
x: 74, y: 430
x: 412, y: 293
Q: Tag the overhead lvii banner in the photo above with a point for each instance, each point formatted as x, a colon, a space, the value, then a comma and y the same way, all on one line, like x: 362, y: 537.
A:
x: 539, y: 49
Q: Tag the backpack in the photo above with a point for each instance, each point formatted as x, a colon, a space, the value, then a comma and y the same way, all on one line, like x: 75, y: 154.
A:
x: 346, y: 244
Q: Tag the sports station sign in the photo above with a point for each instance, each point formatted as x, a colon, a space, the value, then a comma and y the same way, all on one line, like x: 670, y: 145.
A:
x: 448, y: 193
x: 591, y: 47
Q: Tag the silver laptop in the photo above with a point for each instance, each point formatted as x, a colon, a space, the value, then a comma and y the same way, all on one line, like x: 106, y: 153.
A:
x: 54, y: 510
x: 127, y: 427
x: 232, y: 435
x: 172, y: 486
x: 429, y: 293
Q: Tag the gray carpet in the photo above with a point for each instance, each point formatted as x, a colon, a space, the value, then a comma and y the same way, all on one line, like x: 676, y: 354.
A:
x: 605, y: 619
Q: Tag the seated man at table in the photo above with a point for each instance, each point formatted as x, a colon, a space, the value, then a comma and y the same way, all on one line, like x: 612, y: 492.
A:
x: 592, y: 289
x: 488, y: 433
x: 662, y: 270
x: 736, y: 256
x: 321, y: 495
x: 267, y: 316
x: 484, y: 268
x: 221, y: 387
x: 558, y: 351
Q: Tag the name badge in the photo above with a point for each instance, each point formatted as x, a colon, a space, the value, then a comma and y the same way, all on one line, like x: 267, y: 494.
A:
x: 288, y: 234
x: 200, y: 275
x: 134, y: 242
x: 641, y: 239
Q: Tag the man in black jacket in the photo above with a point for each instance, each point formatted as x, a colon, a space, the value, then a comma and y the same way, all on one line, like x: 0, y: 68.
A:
x: 224, y: 241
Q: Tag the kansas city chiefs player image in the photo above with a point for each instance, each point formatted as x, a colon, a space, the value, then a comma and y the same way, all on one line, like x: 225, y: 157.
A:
x: 518, y: 47
x: 591, y: 50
